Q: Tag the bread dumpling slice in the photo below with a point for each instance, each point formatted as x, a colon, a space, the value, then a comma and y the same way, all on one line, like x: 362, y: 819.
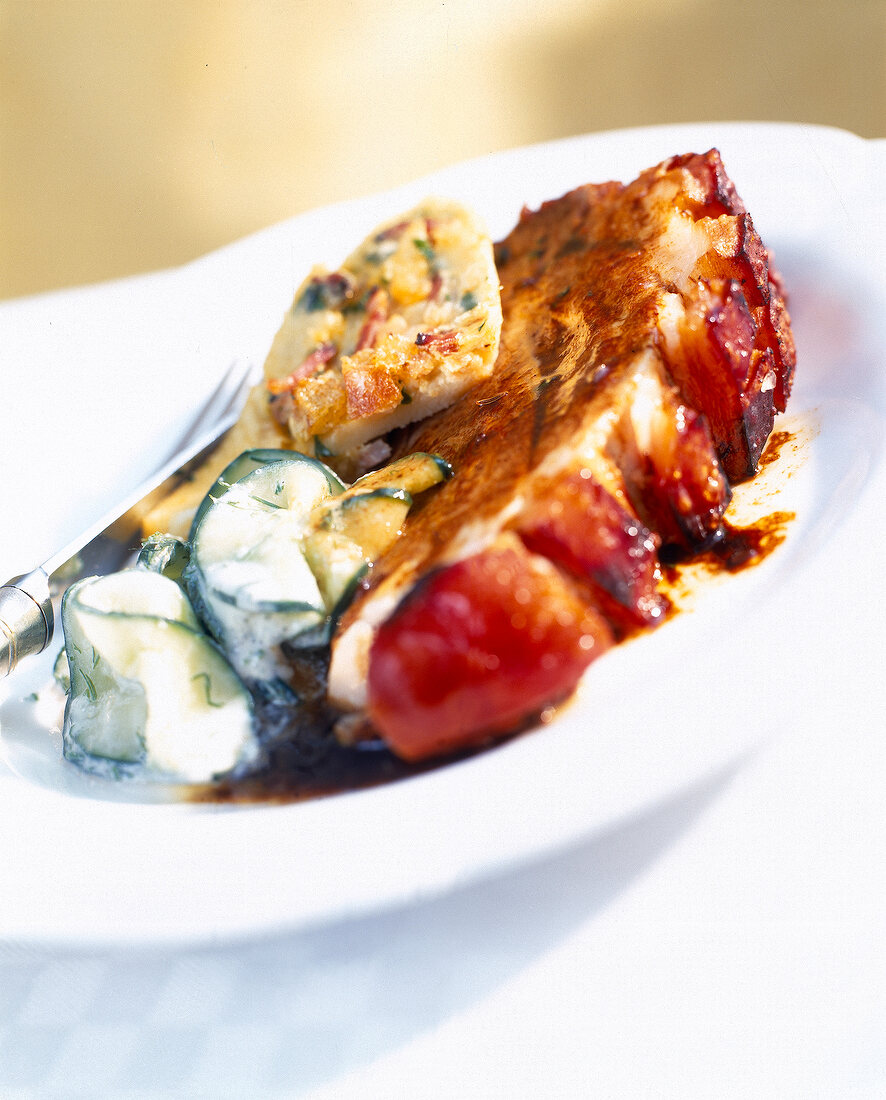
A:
x: 407, y: 324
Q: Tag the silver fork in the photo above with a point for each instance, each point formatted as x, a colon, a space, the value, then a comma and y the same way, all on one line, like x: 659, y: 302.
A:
x: 27, y: 617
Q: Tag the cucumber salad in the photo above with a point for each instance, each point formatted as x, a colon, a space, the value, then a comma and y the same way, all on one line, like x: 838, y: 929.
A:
x: 169, y: 662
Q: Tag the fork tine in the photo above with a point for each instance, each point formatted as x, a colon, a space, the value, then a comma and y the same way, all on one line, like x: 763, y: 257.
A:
x: 225, y: 399
x: 249, y: 375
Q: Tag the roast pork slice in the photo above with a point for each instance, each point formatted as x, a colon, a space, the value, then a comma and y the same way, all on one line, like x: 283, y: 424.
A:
x: 645, y: 348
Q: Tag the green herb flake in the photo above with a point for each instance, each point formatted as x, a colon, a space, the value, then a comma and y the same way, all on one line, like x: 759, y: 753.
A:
x: 33, y: 698
x: 426, y: 249
x: 468, y: 301
x: 267, y: 503
x: 91, y: 693
x: 207, y: 685
x: 313, y: 298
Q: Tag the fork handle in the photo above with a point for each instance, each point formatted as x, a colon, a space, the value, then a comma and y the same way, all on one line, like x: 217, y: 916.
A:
x: 26, y: 618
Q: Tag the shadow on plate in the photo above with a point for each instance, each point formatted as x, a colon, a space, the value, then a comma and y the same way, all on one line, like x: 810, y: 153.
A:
x: 329, y: 1000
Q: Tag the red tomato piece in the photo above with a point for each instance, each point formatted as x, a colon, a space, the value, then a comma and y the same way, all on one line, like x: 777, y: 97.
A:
x: 477, y: 649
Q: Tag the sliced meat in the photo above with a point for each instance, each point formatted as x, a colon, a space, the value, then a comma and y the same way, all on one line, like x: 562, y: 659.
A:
x: 644, y: 350
x: 727, y: 337
x: 672, y: 472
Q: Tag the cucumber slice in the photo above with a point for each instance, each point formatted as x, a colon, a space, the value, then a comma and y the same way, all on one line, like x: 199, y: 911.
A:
x: 414, y: 473
x: 350, y: 531
x: 276, y: 556
x: 347, y: 534
x: 247, y: 576
x: 149, y: 692
x: 61, y: 673
x: 164, y: 554
x: 244, y: 464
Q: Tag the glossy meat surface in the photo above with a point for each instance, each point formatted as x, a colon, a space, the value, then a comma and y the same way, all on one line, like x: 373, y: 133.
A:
x: 645, y: 350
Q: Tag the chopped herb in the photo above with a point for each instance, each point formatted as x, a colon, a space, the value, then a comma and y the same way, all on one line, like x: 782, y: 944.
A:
x: 385, y: 246
x: 329, y: 292
x: 95, y: 658
x: 426, y: 249
x: 405, y: 398
x: 313, y: 298
x: 207, y: 683
x: 468, y: 300
x: 33, y: 697
x: 269, y: 503
x: 91, y: 693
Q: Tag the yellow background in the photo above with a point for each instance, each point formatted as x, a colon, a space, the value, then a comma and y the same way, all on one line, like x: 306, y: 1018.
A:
x: 138, y: 134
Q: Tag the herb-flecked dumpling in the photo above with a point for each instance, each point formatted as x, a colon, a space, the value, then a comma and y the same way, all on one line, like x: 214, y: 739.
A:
x: 407, y: 324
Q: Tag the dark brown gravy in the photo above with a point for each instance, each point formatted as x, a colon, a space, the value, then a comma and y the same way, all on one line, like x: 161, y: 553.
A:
x: 288, y: 779
x: 314, y: 765
x: 742, y: 547
x: 738, y: 548
x: 774, y: 445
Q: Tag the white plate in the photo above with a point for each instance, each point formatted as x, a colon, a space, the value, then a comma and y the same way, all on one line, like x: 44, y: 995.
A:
x: 98, y: 383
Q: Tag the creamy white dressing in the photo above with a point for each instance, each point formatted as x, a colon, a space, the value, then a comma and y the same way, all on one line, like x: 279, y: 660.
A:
x: 149, y: 693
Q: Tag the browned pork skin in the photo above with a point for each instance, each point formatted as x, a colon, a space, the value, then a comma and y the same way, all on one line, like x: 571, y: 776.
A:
x: 733, y: 353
